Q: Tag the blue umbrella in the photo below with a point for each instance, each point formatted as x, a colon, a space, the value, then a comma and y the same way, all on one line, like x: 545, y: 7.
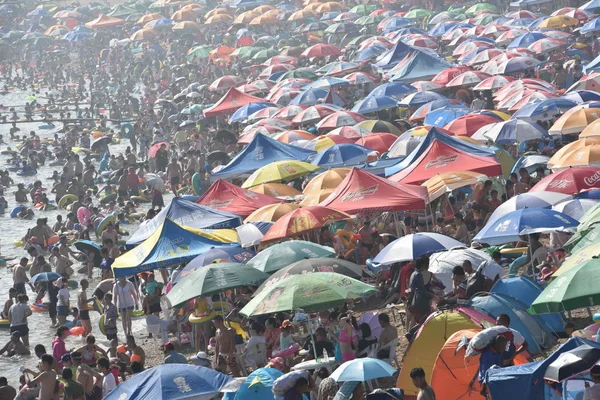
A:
x: 373, y: 104
x: 545, y: 109
x: 45, y: 277
x: 578, y: 53
x: 328, y: 16
x: 421, y: 98
x: 526, y: 39
x: 172, y: 381
x: 590, y: 5
x: 397, y: 23
x: 443, y: 116
x: 409, y: 31
x: 582, y: 96
x: 341, y: 155
x: 244, y: 112
x: 159, y: 23
x: 74, y: 37
x: 437, y: 104
x: 411, y: 247
x: 259, y: 385
x: 369, y: 53
x: 228, y: 254
x: 591, y: 26
x: 328, y: 82
x: 530, y: 162
x: 520, y: 22
x: 362, y: 370
x: 82, y: 28
x: 443, y: 27
x: 393, y: 89
x: 508, y: 228
x: 38, y: 12
x: 590, y: 194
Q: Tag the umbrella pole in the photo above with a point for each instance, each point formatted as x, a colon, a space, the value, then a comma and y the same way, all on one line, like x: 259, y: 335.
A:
x: 396, y: 224
x: 312, y: 337
x: 530, y: 257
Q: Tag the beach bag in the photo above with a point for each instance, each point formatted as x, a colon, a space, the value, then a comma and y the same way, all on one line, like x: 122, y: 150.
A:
x: 483, y: 339
x: 476, y: 283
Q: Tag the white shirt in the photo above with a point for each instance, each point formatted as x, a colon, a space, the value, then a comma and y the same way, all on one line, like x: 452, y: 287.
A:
x: 125, y: 294
x: 63, y: 293
x: 108, y: 384
x: 491, y: 269
x: 592, y: 393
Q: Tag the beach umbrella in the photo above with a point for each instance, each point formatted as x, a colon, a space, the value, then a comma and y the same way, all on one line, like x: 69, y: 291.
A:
x: 173, y: 381
x: 350, y: 132
x: 510, y: 132
x: 582, y: 156
x: 479, y: 8
x: 582, y: 96
x: 575, y: 288
x: 380, y: 142
x: 339, y: 119
x: 275, y: 190
x: 443, y: 116
x: 360, y: 78
x: 468, y: 78
x: 309, y: 292
x: 341, y: 155
x: 314, y: 27
x: 292, y: 136
x: 283, y: 254
x: 184, y: 15
x: 198, y: 52
x: 280, y: 60
x: 321, y: 50
x: 155, y: 147
x: 547, y: 45
x: 327, y: 82
x: 575, y: 208
x: 186, y: 26
x: 303, y: 220
x: 363, y: 9
x: 271, y: 212
x: 258, y: 385
x: 159, y: 23
x: 570, y: 181
x: 250, y: 234
x: 369, y: 20
x: 574, y: 121
x: 529, y: 200
x: 413, y: 246
x: 313, y: 113
x: 64, y: 14
x: 558, y: 22
x: 329, y: 179
x: 45, y: 277
x: 141, y: 35
x: 226, y: 82
x: 213, y: 279
x: 447, y: 182
x: 545, y: 109
x: 302, y: 15
x: 572, y: 363
x: 219, y: 19
x: 468, y: 124
x: 425, y: 109
x: 341, y: 27
x: 420, y: 98
x: 75, y: 37
x: 393, y: 89
x: 509, y: 227
x: 328, y: 7
x: 314, y: 199
x: 143, y: 20
x: 279, y: 171
x: 374, y: 104
x: 362, y: 370
x: 516, y: 64
x: 245, y: 52
x: 379, y: 126
x: 216, y: 256
x: 290, y: 111
x: 249, y: 109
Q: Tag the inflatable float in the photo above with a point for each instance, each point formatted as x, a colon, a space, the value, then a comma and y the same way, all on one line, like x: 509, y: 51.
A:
x: 16, y: 210
x: 140, y: 199
x: 4, y: 324
x: 101, y: 324
x: 202, y: 319
x: 27, y: 172
x: 108, y: 198
x: 77, y: 331
x: 110, y: 218
x: 97, y: 305
x: 39, y: 307
x: 46, y: 126
x: 514, y: 253
x: 56, y: 163
x: 66, y: 200
x: 127, y: 130
x: 483, y: 339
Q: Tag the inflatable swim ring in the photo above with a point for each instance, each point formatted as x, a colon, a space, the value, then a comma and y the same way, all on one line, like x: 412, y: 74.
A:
x: 83, y: 215
x: 77, y: 331
x: 108, y: 198
x: 57, y: 163
x: 4, y: 323
x: 196, y: 184
x: 239, y: 330
x: 69, y: 324
x: 39, y: 307
x: 514, y: 253
x: 101, y: 324
x: 596, y: 317
x: 290, y: 351
x: 127, y: 130
x: 29, y: 172
x: 112, y: 217
x: 66, y: 200
x: 97, y: 305
x: 19, y: 243
x: 140, y: 199
x: 46, y: 126
x: 482, y: 339
x: 7, y: 152
x: 194, y: 319
x: 52, y: 240
x: 72, y: 284
x: 15, y: 211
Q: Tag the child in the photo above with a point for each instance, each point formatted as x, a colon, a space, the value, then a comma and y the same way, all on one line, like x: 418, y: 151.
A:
x: 105, y: 265
x: 110, y: 318
x: 157, y: 199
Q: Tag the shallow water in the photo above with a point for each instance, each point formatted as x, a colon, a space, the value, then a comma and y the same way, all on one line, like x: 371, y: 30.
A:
x: 13, y: 229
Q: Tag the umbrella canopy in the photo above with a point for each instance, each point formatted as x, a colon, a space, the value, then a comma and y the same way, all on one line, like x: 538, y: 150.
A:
x: 575, y: 208
x: 442, y: 263
x: 45, y: 277
x: 574, y: 121
x: 212, y: 279
x: 275, y: 190
x: 509, y: 227
x: 576, y: 288
x: 279, y: 171
x: 510, y: 132
x: 303, y: 220
x: 259, y: 385
x: 173, y: 381
x: 449, y: 181
x: 283, y: 254
x: 214, y: 256
x: 573, y: 362
x: 329, y: 179
x: 362, y: 370
x: 310, y: 292
x: 341, y: 155
x: 570, y: 181
x: 411, y: 247
x: 529, y: 200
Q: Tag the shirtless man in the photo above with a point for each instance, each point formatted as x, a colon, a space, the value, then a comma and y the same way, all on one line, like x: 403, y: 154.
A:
x: 225, y: 347
x: 110, y: 233
x: 174, y: 175
x: 87, y: 377
x: 65, y: 249
x: 12, y: 294
x: 62, y: 264
x: 46, y: 380
x: 113, y: 251
x: 83, y: 305
x: 15, y: 346
x: 366, y: 242
x: 6, y: 391
x: 135, y: 350
x: 20, y: 276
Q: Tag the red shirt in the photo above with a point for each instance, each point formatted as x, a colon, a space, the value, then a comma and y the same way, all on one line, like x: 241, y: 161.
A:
x: 405, y: 274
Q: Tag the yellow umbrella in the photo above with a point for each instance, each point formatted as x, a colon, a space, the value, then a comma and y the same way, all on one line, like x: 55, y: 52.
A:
x: 264, y: 20
x: 245, y: 17
x: 445, y: 183
x: 584, y: 157
x: 217, y: 11
x: 192, y: 6
x: 574, y: 121
x: 275, y: 190
x: 329, y: 179
x: 271, y: 212
x: 144, y: 19
x: 576, y: 145
x: 558, y: 21
x: 591, y: 130
x: 315, y: 198
x: 272, y: 13
x: 218, y: 18
x: 184, y: 15
x: 463, y: 139
x: 279, y: 171
x: 54, y: 28
x: 329, y: 7
x: 187, y: 26
x: 263, y: 9
x: 501, y: 114
x: 301, y: 15
x: 582, y: 255
x: 143, y: 34
x: 313, y: 7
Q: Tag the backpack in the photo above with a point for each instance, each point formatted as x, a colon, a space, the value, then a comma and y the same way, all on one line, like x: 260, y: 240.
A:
x: 476, y: 283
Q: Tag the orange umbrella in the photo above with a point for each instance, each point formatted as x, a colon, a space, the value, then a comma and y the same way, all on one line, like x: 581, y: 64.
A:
x: 245, y: 17
x: 313, y: 7
x: 144, y: 19
x: 591, y: 130
x: 275, y: 190
x: 315, y: 198
x: 263, y: 9
x: 217, y: 11
x: 301, y: 15
x: 187, y: 26
x: 70, y: 22
x: 218, y: 19
x: 576, y: 145
x: 574, y: 121
x: 293, y: 135
x: 380, y: 142
x: 264, y: 20
x: 104, y: 21
x: 193, y: 6
x: 302, y: 220
x: 329, y: 179
x: 143, y: 34
x: 307, y: 2
x: 184, y: 15
x: 221, y: 52
x: 587, y: 156
x: 54, y: 28
x: 271, y: 212
x: 329, y: 7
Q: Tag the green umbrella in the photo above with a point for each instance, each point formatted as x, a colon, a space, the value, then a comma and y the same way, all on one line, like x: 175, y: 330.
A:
x: 369, y: 20
x: 481, y: 8
x: 577, y: 288
x: 310, y: 292
x: 264, y: 55
x: 363, y: 9
x: 212, y: 279
x: 590, y: 217
x: 299, y: 74
x: 198, y: 52
x: 246, y: 51
x: 583, y: 238
x: 283, y: 254
x: 418, y: 13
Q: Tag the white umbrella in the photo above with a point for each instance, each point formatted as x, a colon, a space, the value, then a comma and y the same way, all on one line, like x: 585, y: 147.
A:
x: 510, y: 132
x: 529, y: 200
x: 403, y: 146
x: 155, y: 181
x: 413, y: 246
x: 249, y: 235
x: 575, y: 208
x: 441, y: 264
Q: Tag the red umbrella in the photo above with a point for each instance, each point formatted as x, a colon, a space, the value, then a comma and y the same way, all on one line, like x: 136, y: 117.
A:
x: 468, y: 78
x: 339, y: 119
x: 267, y: 72
x: 494, y: 82
x: 312, y: 114
x: 448, y: 74
x: 350, y: 132
x: 289, y: 112
x: 302, y: 220
x: 379, y: 142
x: 321, y: 50
x: 360, y: 77
x: 265, y: 130
x: 280, y: 60
x: 226, y: 82
x: 155, y: 147
x: 467, y: 125
x: 570, y: 181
